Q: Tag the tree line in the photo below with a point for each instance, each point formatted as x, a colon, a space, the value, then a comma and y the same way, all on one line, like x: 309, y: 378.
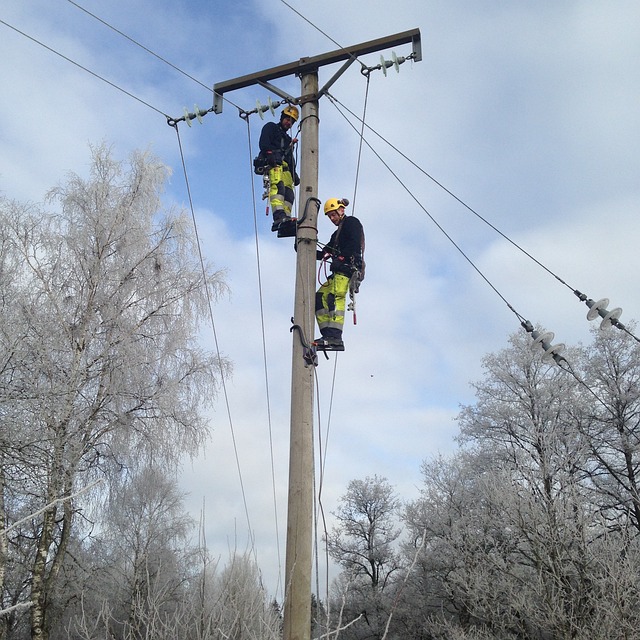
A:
x: 529, y: 531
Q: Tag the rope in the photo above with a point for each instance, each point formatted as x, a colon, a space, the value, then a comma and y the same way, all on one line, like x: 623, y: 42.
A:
x: 264, y: 354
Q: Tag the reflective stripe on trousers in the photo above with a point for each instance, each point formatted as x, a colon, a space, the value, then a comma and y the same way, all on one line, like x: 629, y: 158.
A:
x: 331, y: 302
x: 281, y: 194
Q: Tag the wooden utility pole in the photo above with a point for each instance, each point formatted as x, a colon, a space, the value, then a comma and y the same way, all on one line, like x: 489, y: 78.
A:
x: 297, y: 601
x: 297, y: 610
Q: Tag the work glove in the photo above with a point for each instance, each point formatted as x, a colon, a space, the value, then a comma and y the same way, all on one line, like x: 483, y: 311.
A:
x: 324, y: 254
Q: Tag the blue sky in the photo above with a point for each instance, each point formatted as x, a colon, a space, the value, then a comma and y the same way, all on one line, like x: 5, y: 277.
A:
x: 526, y: 111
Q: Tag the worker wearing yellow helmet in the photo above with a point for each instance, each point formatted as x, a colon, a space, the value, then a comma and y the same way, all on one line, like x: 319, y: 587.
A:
x: 345, y: 249
x: 276, y: 151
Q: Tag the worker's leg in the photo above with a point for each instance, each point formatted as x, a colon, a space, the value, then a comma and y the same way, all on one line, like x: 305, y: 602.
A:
x: 277, y: 192
x: 330, y: 306
x: 288, y: 192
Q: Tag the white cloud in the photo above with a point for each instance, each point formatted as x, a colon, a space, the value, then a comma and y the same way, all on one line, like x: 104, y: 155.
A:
x: 525, y: 111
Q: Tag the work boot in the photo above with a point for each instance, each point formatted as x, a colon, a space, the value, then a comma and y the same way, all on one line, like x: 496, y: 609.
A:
x: 278, y: 218
x: 287, y: 227
x: 330, y: 344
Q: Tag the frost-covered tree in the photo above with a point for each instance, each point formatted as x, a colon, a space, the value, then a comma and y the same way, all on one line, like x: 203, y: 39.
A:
x: 100, y: 369
x: 610, y: 426
x: 363, y: 544
x: 517, y: 542
x: 143, y: 557
x: 233, y: 604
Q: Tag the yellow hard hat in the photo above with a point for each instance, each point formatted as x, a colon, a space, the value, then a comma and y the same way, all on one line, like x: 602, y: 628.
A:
x: 292, y: 112
x: 333, y: 204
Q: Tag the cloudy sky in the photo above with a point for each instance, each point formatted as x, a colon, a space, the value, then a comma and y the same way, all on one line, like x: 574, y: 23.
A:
x: 526, y: 112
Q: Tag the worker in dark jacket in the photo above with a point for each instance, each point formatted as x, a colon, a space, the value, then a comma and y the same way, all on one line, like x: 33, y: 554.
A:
x: 346, y: 252
x: 276, y: 149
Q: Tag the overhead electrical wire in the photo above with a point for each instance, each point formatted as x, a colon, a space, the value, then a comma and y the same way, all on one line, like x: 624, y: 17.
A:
x: 149, y: 51
x: 215, y: 339
x: 553, y: 352
x: 611, y: 317
x: 124, y: 35
x: 93, y: 73
x: 429, y: 215
x: 264, y: 357
x: 105, y: 80
x: 449, y: 192
x: 317, y: 28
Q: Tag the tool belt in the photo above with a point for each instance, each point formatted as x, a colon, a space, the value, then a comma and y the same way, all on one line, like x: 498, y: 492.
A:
x: 260, y: 165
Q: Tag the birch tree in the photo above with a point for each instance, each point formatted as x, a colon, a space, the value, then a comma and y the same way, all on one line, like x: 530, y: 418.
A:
x: 105, y: 370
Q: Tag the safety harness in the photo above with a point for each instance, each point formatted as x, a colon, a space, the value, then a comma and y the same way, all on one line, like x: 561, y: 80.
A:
x: 357, y: 273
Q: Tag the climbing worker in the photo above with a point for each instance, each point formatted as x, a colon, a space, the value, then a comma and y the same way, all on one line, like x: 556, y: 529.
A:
x: 276, y: 151
x: 346, y: 251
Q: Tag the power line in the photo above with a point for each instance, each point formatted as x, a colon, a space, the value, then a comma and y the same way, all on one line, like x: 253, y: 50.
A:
x: 317, y: 28
x: 169, y: 118
x: 453, y: 195
x: 215, y: 339
x: 264, y: 357
x: 130, y: 39
x: 77, y: 64
x: 156, y: 55
x: 595, y: 308
x: 438, y: 225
